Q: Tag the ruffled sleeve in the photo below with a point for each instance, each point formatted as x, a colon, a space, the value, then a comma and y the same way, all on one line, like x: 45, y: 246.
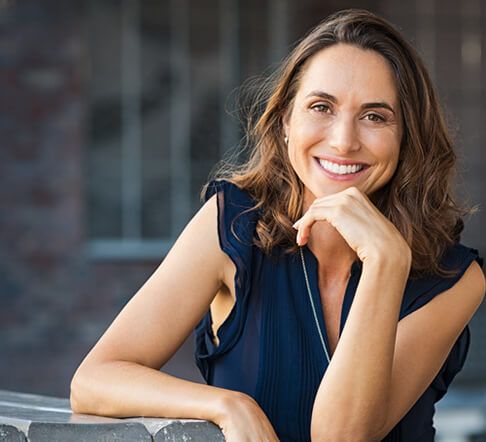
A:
x: 420, y: 291
x: 236, y: 228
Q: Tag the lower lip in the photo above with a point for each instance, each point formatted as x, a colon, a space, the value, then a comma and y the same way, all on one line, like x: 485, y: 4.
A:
x: 335, y: 176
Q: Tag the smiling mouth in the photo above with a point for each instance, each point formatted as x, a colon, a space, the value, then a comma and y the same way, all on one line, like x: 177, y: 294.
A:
x: 340, y: 169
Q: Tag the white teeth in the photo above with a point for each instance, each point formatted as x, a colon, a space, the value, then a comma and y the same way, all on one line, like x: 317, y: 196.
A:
x: 340, y: 169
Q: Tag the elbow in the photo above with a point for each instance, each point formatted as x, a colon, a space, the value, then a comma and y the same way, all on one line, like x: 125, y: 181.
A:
x: 347, y: 435
x: 347, y: 431
x: 92, y: 391
x: 78, y: 397
x: 75, y: 396
x: 76, y: 403
x: 84, y: 395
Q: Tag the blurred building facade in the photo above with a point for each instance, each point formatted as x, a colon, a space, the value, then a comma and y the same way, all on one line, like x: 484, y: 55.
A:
x: 113, y: 114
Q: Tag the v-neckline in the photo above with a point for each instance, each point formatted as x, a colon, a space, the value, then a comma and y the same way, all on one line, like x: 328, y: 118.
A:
x: 316, y: 294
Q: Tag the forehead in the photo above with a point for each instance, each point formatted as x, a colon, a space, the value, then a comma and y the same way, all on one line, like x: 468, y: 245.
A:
x: 345, y: 70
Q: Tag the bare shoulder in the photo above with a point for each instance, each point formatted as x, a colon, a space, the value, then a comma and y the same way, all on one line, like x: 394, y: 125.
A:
x: 470, y: 288
x: 455, y: 305
x: 474, y: 276
x: 202, y: 231
x: 199, y: 242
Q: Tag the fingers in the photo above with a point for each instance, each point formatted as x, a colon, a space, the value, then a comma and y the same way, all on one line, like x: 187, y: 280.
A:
x: 247, y: 422
x: 333, y: 209
x: 324, y: 209
x: 365, y: 229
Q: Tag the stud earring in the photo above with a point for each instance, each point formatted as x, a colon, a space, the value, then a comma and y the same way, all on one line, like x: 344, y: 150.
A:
x: 286, y: 139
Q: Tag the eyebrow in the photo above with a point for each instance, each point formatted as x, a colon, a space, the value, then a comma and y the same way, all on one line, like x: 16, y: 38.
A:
x: 322, y: 94
x: 333, y: 99
x: 382, y: 104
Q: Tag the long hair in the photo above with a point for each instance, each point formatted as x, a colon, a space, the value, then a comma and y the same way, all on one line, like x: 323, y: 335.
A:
x: 417, y: 200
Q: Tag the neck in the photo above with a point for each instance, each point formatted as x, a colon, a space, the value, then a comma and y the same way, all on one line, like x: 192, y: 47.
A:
x: 331, y: 250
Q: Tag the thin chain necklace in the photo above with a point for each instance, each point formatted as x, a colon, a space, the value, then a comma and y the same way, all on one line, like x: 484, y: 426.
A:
x: 321, y: 336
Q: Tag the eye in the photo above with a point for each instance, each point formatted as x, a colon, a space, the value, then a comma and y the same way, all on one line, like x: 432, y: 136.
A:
x: 321, y: 107
x: 375, y: 118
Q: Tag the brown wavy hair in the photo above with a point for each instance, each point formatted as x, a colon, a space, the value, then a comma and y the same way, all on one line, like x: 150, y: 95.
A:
x: 417, y: 200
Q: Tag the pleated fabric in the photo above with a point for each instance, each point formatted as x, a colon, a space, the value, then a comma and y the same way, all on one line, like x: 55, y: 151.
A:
x: 269, y: 345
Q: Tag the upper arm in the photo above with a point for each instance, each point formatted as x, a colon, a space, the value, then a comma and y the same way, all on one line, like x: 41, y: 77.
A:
x: 164, y: 311
x: 426, y: 337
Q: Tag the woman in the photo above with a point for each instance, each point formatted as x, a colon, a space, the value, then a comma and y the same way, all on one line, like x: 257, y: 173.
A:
x: 349, y: 331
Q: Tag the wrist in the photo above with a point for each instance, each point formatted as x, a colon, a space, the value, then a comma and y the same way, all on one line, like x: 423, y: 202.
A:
x: 224, y: 404
x: 397, y: 260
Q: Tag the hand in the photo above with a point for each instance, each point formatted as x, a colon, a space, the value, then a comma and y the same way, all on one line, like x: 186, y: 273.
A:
x: 366, y: 230
x: 242, y: 420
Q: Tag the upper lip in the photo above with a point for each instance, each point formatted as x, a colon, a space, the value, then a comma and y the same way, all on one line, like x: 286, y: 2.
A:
x: 341, y: 161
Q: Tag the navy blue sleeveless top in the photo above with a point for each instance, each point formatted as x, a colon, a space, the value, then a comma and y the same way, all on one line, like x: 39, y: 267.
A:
x: 269, y: 346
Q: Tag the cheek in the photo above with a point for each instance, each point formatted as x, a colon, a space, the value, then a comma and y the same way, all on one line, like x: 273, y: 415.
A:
x: 395, y: 153
x: 291, y: 152
x: 385, y: 148
x: 293, y: 158
x: 310, y: 130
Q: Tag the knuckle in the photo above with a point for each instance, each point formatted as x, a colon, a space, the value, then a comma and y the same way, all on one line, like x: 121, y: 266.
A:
x: 345, y: 200
x: 353, y: 192
x: 312, y: 209
x: 339, y: 209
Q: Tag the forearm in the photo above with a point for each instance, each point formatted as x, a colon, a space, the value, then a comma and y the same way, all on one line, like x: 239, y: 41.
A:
x: 123, y: 389
x: 354, y: 392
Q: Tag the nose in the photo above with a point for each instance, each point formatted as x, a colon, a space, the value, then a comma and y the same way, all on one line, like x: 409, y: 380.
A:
x: 343, y: 137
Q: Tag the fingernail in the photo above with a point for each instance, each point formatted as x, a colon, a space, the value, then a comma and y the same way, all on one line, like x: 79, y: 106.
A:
x: 296, y: 225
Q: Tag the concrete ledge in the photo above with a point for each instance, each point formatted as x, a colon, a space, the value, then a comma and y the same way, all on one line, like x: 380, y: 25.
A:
x: 39, y: 418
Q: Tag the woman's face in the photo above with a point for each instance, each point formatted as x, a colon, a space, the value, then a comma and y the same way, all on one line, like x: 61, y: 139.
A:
x: 344, y: 128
